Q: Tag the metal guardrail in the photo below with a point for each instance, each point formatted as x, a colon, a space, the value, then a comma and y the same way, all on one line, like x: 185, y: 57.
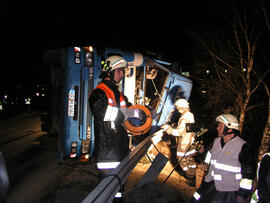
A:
x: 110, y: 185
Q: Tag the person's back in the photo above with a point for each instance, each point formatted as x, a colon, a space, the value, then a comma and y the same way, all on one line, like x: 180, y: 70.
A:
x: 4, y: 180
x: 264, y: 180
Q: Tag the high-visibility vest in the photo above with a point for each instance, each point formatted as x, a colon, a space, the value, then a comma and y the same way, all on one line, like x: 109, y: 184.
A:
x: 225, y: 169
x: 110, y: 95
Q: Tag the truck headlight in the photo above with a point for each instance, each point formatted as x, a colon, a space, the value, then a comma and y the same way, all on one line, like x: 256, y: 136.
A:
x: 88, y: 58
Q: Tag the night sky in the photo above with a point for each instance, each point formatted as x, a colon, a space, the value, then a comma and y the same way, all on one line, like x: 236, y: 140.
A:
x: 31, y: 28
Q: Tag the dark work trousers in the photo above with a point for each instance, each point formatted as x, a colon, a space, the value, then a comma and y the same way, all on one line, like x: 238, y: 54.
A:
x: 209, y: 194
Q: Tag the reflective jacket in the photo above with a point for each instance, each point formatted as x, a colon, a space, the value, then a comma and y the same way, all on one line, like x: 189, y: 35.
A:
x: 231, y: 170
x: 225, y: 168
x: 111, y: 139
x: 110, y: 95
x: 186, y: 138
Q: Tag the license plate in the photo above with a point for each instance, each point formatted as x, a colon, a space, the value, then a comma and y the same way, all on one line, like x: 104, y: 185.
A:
x: 71, y: 102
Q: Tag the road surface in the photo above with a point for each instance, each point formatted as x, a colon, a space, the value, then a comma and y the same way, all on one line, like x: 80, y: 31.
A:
x: 36, y: 176
x: 20, y: 144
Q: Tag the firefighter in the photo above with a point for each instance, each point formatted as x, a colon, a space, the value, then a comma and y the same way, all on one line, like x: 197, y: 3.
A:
x: 185, y: 149
x: 109, y: 108
x: 262, y: 193
x: 231, y: 166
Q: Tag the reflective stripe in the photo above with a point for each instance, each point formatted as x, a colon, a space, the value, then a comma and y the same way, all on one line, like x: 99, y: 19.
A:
x: 118, y: 195
x: 208, y: 157
x: 246, y: 183
x: 196, y: 195
x: 224, y: 119
x: 186, y: 154
x: 122, y: 104
x: 216, y: 177
x: 268, y: 153
x: 229, y: 168
x: 110, y: 101
x: 110, y: 95
x: 255, y: 197
x: 253, y: 201
x: 112, y: 125
x: 116, y: 63
x: 111, y: 113
x: 192, y: 166
x: 238, y: 176
x: 228, y: 122
x: 175, y: 132
x: 72, y: 155
x: 77, y: 49
x: 107, y: 165
x: 258, y: 169
x: 180, y: 154
x: 185, y: 168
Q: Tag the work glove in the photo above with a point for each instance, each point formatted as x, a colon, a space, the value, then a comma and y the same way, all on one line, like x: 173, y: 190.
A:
x: 157, y: 136
x: 130, y: 113
x: 167, y: 128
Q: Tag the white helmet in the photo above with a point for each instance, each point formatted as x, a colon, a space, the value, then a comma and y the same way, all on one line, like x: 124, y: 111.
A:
x: 228, y: 120
x: 181, y: 103
x: 113, y: 62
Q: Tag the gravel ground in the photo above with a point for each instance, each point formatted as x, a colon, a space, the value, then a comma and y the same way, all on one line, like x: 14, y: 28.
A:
x: 76, y: 180
x: 38, y: 177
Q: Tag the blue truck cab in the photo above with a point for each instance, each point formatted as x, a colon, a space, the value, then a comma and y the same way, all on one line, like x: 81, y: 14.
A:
x: 148, y: 81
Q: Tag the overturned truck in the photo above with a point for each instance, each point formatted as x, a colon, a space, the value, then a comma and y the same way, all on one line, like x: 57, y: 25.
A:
x: 75, y: 71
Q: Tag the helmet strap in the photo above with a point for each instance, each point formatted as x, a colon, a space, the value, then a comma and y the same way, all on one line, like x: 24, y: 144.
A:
x: 112, y: 76
x: 225, y: 131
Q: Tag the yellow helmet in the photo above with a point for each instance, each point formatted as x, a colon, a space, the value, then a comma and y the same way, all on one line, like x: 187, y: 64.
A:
x: 113, y: 62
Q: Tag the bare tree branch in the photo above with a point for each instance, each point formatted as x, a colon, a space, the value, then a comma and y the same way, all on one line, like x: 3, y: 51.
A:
x: 265, y: 16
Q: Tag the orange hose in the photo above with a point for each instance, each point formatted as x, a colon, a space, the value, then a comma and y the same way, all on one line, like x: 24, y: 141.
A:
x: 139, y: 130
